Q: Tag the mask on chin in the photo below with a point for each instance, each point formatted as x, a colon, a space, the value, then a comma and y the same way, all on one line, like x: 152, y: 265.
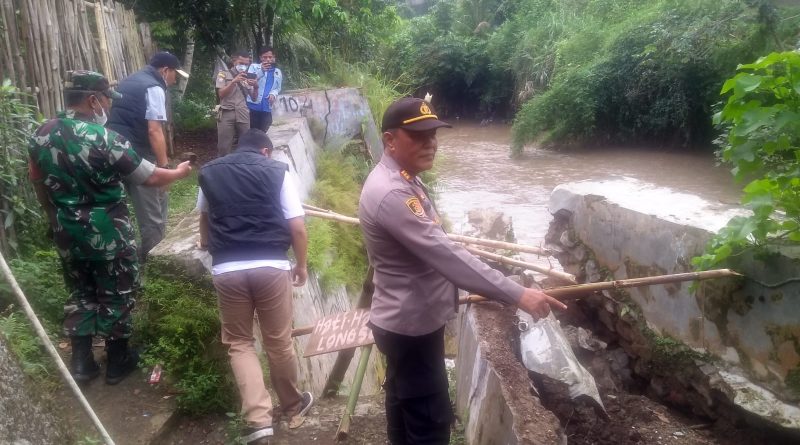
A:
x: 101, y: 118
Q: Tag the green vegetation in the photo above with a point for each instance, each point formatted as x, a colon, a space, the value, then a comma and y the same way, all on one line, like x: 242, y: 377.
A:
x: 588, y: 70
x: 18, y: 206
x: 336, y: 251
x: 761, y: 140
x: 193, y: 113
x: 178, y: 323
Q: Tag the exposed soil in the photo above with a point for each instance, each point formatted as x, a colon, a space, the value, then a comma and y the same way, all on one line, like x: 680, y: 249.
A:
x: 203, y: 143
x: 368, y: 426
x: 633, y: 418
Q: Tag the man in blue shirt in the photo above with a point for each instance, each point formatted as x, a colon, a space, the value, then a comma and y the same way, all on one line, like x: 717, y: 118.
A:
x: 266, y: 90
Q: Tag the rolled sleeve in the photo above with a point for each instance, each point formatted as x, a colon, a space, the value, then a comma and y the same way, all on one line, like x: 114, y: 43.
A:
x: 141, y: 173
x: 428, y: 241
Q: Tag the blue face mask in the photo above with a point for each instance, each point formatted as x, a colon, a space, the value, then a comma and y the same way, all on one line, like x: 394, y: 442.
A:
x: 241, y: 68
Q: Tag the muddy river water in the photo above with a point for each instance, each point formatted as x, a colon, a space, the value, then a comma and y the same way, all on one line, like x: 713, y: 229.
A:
x: 475, y: 170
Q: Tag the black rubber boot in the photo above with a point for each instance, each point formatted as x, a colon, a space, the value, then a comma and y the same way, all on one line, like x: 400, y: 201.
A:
x: 82, y: 364
x: 121, y: 360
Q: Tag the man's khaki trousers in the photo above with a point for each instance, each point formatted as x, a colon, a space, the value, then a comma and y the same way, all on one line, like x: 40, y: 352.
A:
x: 267, y: 293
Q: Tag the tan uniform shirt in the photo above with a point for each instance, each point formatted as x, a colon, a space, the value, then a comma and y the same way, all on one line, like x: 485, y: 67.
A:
x: 417, y: 268
x: 236, y: 99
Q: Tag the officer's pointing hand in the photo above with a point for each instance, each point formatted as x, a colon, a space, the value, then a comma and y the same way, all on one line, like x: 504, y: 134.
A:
x: 538, y: 303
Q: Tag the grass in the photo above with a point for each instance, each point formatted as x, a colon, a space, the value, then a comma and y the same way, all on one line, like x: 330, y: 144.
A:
x: 336, y: 251
x: 182, y: 198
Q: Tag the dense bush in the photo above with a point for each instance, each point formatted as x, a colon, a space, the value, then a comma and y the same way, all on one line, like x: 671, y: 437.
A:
x: 193, y: 113
x: 761, y: 140
x: 18, y: 206
x: 578, y: 70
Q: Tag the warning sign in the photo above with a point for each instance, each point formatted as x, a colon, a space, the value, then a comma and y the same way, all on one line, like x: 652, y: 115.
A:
x: 341, y: 331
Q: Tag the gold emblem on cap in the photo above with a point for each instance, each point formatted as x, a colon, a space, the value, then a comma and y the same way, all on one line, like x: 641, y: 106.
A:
x: 424, y: 108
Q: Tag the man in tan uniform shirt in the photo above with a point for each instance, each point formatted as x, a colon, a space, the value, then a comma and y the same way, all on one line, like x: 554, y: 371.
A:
x: 233, y: 118
x: 417, y: 273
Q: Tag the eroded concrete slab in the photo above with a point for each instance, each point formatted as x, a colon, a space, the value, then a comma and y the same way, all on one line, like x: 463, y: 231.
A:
x: 748, y: 328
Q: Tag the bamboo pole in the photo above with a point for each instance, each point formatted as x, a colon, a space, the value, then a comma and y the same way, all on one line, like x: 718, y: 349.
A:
x: 582, y: 289
x: 491, y: 256
x: 34, y: 57
x: 344, y: 425
x: 563, y: 276
x: 327, y: 214
x: 51, y: 350
x: 343, y: 358
x: 9, y: 27
x: 101, y: 34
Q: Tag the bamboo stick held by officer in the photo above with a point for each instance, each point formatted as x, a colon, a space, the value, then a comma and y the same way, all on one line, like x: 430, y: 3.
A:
x: 418, y: 270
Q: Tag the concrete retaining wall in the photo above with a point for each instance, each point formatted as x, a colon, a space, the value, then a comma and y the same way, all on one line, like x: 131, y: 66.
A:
x: 335, y: 114
x: 497, y: 407
x: 624, y: 228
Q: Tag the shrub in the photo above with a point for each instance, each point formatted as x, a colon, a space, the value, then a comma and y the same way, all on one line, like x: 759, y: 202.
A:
x: 178, y: 322
x: 193, y: 113
x: 761, y: 139
x: 18, y: 206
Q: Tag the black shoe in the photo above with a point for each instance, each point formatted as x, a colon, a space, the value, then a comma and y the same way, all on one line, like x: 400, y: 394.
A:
x: 121, y: 360
x: 82, y: 365
x: 256, y: 436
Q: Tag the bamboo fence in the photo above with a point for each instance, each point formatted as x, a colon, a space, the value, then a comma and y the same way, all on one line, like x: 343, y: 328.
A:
x: 40, y: 40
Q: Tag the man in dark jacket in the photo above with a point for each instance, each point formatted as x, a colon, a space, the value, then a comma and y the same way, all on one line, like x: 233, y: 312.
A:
x: 140, y: 116
x: 250, y: 215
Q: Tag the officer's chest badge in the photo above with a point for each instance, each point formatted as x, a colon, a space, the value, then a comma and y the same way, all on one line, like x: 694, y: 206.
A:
x: 415, y: 206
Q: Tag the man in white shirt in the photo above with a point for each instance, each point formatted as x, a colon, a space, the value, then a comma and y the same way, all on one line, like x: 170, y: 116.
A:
x: 140, y: 116
x: 250, y: 215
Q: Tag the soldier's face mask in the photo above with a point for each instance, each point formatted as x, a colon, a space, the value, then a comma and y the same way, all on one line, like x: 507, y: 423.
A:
x: 101, y: 118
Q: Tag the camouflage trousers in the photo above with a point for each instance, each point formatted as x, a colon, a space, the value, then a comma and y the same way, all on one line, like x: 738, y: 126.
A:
x: 101, y: 296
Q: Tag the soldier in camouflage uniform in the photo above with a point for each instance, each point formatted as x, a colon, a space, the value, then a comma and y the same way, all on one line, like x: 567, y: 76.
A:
x: 78, y: 168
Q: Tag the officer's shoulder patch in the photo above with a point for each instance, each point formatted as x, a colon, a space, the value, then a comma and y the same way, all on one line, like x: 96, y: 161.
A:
x: 414, y: 205
x: 221, y: 74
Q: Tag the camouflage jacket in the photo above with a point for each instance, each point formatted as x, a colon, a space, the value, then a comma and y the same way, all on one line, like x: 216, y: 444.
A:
x: 82, y: 166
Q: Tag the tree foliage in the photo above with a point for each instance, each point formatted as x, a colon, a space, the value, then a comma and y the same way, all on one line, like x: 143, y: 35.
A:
x: 581, y: 70
x: 761, y: 139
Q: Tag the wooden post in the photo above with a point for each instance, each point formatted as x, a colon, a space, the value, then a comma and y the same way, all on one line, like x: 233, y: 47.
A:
x: 344, y: 425
x: 343, y: 358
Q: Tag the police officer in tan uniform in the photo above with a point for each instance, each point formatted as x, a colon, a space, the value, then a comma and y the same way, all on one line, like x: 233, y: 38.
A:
x: 233, y: 118
x: 417, y: 273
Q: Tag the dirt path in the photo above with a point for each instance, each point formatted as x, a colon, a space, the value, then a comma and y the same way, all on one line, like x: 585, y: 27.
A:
x: 368, y: 426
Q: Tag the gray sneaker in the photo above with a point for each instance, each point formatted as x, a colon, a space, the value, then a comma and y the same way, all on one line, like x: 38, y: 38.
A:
x: 308, y: 401
x: 257, y: 436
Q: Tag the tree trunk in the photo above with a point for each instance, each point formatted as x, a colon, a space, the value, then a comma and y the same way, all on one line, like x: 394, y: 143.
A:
x: 270, y: 12
x: 187, y: 63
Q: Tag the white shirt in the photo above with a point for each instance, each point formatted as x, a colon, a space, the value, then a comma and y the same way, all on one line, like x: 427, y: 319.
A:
x: 156, y: 105
x: 291, y: 206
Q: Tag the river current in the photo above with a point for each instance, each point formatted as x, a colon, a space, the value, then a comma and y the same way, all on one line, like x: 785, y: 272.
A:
x: 475, y: 170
